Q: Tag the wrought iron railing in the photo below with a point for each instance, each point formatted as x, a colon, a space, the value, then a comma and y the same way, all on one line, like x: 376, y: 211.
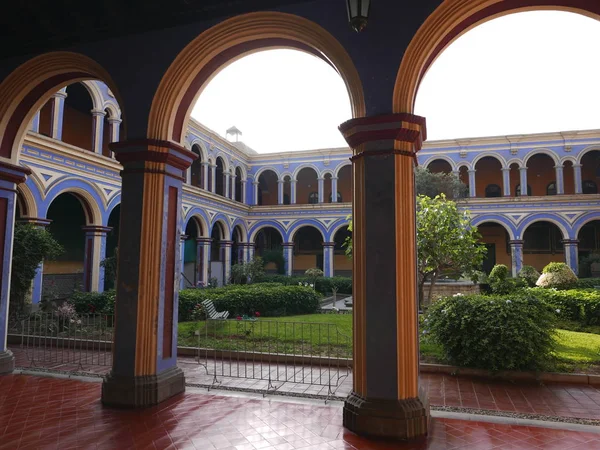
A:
x: 275, y: 351
x: 66, y: 339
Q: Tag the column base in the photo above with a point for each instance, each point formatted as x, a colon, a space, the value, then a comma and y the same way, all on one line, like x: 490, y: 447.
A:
x: 7, y: 362
x: 388, y: 419
x: 143, y: 391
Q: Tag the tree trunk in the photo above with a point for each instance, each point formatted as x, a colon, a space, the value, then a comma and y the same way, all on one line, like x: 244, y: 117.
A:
x: 422, y: 280
x: 431, y: 285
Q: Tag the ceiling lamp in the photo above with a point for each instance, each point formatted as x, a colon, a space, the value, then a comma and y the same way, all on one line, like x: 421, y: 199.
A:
x: 358, y: 13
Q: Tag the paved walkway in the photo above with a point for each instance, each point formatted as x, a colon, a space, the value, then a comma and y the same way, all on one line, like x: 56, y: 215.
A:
x: 555, y: 400
x: 51, y: 413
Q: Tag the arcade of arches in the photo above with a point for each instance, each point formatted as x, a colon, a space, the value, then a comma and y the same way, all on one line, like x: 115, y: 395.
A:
x: 193, y: 202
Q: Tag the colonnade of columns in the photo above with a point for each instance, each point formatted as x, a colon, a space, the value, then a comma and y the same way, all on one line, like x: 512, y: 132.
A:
x: 506, y: 188
x: 571, y: 249
x: 294, y: 188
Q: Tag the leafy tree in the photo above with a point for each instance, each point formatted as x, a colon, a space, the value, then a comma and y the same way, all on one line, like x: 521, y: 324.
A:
x: 31, y: 246
x: 312, y: 274
x: 247, y: 272
x: 275, y: 256
x: 110, y: 270
x: 446, y: 241
x: 434, y: 184
x: 348, y: 241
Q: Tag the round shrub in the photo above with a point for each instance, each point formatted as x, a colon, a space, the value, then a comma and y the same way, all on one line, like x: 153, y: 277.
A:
x: 529, y: 275
x: 492, y: 332
x: 500, y: 282
x: 557, y: 275
x: 268, y: 299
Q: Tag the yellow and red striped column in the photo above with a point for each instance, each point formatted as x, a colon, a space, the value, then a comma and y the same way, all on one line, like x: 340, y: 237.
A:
x: 386, y: 400
x: 144, y: 370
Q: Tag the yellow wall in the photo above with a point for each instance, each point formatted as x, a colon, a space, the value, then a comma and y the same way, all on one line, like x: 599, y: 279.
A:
x: 61, y: 267
x: 496, y: 235
x: 303, y: 262
x: 539, y: 261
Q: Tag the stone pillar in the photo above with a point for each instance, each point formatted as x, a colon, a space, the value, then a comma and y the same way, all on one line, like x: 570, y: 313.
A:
x: 280, y: 192
x: 386, y: 400
x: 293, y: 184
x: 516, y: 255
x: 37, y: 283
x: 577, y: 178
x: 57, y: 114
x: 523, y: 181
x: 226, y: 258
x: 288, y: 256
x: 115, y: 128
x: 472, y: 186
x: 251, y: 251
x: 334, y: 189
x: 95, y: 252
x: 506, y: 181
x: 10, y: 176
x: 204, y: 176
x: 321, y: 182
x: 182, y: 281
x: 226, y: 181
x: 144, y: 370
x: 202, y: 260
x: 255, y: 192
x: 97, y: 130
x: 572, y: 254
x: 243, y: 185
x: 233, y: 177
x: 35, y: 123
x: 560, y: 180
x: 328, y: 259
x: 213, y: 179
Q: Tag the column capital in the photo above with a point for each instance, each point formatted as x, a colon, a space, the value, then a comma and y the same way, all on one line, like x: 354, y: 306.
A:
x: 226, y: 243
x: 60, y: 94
x: 523, y: 168
x: 183, y: 237
x: 114, y: 120
x: 559, y: 166
x: 334, y: 178
x: 577, y: 165
x: 203, y: 240
x: 281, y: 181
x: 255, y: 183
x: 570, y: 241
x: 293, y: 180
x: 328, y: 244
x: 471, y: 170
x: 134, y: 154
x: 98, y: 113
x: 13, y: 173
x: 384, y: 133
x: 505, y: 169
x: 96, y: 229
x: 288, y: 244
x: 516, y: 242
x: 38, y: 221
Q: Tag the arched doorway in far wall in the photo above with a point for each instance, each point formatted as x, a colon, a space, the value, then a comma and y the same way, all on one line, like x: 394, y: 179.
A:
x: 267, y: 188
x: 496, y: 240
x: 308, y: 249
x: 237, y: 249
x: 342, y: 264
x: 268, y: 244
x: 112, y: 245
x: 218, y: 257
x: 588, y: 245
x: 542, y: 244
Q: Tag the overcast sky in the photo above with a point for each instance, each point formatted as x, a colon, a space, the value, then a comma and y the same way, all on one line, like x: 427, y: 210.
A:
x: 524, y: 73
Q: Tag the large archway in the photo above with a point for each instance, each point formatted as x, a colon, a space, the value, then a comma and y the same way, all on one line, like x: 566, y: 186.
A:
x: 231, y: 39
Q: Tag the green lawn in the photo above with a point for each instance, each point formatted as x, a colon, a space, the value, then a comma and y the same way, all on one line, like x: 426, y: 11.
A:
x: 323, y: 334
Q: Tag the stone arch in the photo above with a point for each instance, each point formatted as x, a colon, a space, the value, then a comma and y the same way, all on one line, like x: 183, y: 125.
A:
x: 540, y: 151
x: 337, y: 226
x: 583, y: 152
x: 114, y: 111
x: 561, y: 223
x: 95, y: 93
x: 571, y: 159
x: 202, y: 146
x: 447, y: 23
x: 112, y: 204
x: 584, y: 220
x: 26, y: 201
x: 326, y: 172
x: 301, y: 224
x: 480, y: 156
x: 221, y: 221
x: 266, y: 224
x: 89, y: 202
x: 434, y: 158
x: 242, y: 169
x: 499, y: 220
x: 260, y: 171
x: 27, y: 88
x: 199, y: 221
x: 239, y: 225
x: 339, y: 167
x: 517, y: 161
x: 229, y: 40
x: 301, y: 167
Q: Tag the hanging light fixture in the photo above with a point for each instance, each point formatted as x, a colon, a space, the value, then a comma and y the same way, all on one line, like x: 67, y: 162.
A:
x: 358, y: 13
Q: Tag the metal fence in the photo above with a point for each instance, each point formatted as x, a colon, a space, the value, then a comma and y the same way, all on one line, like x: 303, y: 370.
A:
x: 274, y: 351
x: 53, y: 338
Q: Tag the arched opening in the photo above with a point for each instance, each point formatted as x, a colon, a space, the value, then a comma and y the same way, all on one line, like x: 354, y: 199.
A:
x: 307, y: 186
x: 193, y: 231
x: 112, y: 245
x: 540, y: 174
x: 496, y: 240
x: 287, y: 190
x: 590, y: 172
x: 267, y: 188
x: 220, y: 177
x: 488, y: 172
x: 308, y: 249
x: 327, y: 188
x: 106, y: 134
x: 217, y: 253
x: 196, y: 169
x: 514, y: 175
x: 589, y: 249
x: 65, y: 274
x: 439, y: 166
x: 237, y: 249
x: 542, y: 244
x: 463, y: 176
x: 239, y: 183
x: 344, y: 184
x: 569, y: 178
x: 78, y: 127
x: 268, y: 241
x: 342, y: 264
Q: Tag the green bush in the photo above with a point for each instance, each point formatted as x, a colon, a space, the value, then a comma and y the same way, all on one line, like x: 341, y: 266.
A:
x: 493, y: 332
x: 500, y: 282
x: 585, y: 264
x: 322, y: 285
x: 587, y: 283
x: 529, y: 275
x: 557, y: 275
x: 267, y: 299
x: 93, y: 302
x: 580, y: 305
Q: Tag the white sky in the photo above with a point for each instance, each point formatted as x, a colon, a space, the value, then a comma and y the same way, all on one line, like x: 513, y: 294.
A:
x: 524, y: 73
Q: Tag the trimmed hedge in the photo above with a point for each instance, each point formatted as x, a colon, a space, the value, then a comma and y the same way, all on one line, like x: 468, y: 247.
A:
x: 587, y: 283
x: 93, y: 302
x: 323, y: 285
x: 512, y: 332
x: 581, y: 305
x: 268, y: 299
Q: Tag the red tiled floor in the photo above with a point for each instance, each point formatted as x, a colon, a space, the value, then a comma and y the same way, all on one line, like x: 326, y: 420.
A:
x: 49, y: 413
x: 552, y: 399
